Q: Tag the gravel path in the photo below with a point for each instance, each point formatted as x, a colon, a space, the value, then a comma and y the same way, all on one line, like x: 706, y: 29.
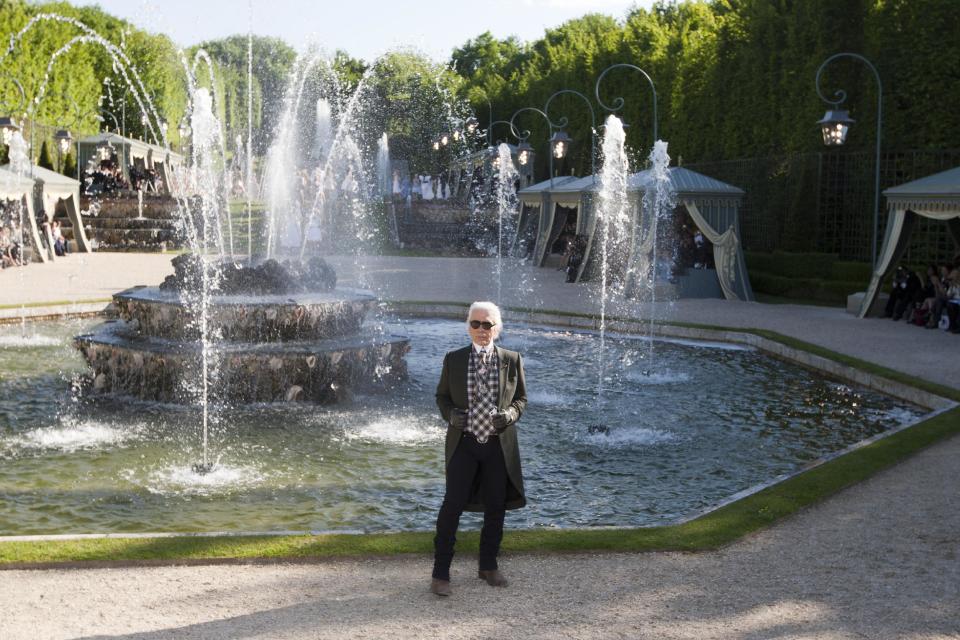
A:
x: 880, y: 560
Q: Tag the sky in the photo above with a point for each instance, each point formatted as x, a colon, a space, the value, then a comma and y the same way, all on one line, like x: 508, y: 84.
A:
x: 363, y: 28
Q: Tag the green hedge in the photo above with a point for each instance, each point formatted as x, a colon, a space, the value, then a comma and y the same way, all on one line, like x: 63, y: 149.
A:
x: 804, y: 289
x: 825, y: 266
x: 820, y: 277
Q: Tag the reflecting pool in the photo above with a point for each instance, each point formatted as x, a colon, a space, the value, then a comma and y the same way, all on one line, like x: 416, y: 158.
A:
x: 689, y: 425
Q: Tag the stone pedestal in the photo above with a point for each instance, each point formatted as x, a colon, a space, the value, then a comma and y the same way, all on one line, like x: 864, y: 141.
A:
x: 270, y: 348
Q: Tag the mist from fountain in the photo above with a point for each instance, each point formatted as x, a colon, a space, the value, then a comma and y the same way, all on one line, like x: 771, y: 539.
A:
x: 202, y: 216
x: 613, y: 225
x: 634, y: 252
x: 384, y: 186
x: 331, y: 163
x: 121, y: 64
x: 20, y: 168
x: 506, y: 194
x: 655, y: 256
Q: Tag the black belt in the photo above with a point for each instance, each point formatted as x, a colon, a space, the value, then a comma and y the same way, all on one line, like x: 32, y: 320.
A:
x: 473, y: 437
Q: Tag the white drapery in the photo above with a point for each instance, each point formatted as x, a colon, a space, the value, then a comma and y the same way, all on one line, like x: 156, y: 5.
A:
x: 891, y: 240
x: 725, y: 250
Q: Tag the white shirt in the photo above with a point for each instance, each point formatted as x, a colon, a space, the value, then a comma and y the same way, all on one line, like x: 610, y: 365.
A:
x: 479, y: 350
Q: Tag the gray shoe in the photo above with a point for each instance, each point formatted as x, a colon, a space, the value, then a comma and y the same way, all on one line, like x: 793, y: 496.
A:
x: 440, y: 587
x: 493, y: 577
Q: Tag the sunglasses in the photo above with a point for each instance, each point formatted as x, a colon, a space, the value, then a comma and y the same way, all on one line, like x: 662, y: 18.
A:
x: 476, y: 324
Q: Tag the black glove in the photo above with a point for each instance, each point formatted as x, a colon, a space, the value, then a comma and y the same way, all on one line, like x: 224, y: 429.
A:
x: 502, y: 420
x: 458, y: 418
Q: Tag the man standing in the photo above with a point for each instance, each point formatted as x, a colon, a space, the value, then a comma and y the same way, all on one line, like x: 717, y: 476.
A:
x: 481, y: 395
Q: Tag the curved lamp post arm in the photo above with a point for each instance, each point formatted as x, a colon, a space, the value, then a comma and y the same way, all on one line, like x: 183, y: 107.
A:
x: 490, y: 121
x: 513, y: 131
x: 841, y: 96
x: 563, y: 121
x: 526, y: 132
x: 116, y: 125
x: 619, y: 101
x: 23, y: 94
x: 78, y: 114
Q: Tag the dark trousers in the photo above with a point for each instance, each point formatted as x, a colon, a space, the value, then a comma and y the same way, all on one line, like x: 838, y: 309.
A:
x: 469, y: 459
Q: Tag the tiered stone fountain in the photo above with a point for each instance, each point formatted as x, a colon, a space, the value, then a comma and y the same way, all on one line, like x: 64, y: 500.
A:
x: 281, y: 333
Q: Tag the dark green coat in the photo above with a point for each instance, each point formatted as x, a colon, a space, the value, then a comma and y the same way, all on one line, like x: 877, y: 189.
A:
x: 452, y: 393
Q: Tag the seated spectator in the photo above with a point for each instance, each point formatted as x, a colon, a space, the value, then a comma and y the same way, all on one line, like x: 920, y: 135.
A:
x: 700, y: 250
x: 937, y: 303
x: 576, y: 257
x: 917, y: 313
x: 952, y: 304
x: 903, y: 293
x: 60, y: 245
x: 568, y: 242
x: 7, y: 257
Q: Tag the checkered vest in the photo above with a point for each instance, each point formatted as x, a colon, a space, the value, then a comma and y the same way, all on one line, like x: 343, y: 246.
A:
x: 483, y: 390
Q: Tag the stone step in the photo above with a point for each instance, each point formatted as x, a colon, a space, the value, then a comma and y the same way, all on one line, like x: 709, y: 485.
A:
x: 158, y: 247
x: 129, y: 223
x: 131, y: 236
x: 161, y: 208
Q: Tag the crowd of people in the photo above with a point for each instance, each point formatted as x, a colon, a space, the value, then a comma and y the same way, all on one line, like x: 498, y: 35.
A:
x: 931, y: 301
x: 12, y: 241
x: 424, y: 187
x: 142, y: 179
x: 693, y: 250
x: 104, y: 177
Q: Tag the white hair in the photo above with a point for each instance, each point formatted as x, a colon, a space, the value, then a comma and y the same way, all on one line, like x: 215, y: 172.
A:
x: 492, y: 310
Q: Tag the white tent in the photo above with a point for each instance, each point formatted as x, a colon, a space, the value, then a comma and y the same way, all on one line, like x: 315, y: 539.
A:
x: 131, y: 152
x: 20, y: 189
x: 54, y: 187
x: 713, y: 206
x: 936, y: 197
x: 537, y: 216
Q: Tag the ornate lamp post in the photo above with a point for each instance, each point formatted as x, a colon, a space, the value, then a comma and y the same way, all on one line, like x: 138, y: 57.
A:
x: 560, y: 141
x: 559, y: 138
x: 8, y: 126
x: 618, y: 103
x: 64, y: 140
x: 560, y: 144
x: 836, y: 123
x: 8, y: 123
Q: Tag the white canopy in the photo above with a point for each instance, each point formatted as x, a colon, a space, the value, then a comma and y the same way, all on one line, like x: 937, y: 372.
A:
x: 935, y: 196
x: 52, y: 187
x: 14, y: 187
x: 20, y: 188
x: 713, y: 206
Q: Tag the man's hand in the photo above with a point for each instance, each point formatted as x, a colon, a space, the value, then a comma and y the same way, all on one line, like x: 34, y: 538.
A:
x: 502, y: 420
x: 458, y: 419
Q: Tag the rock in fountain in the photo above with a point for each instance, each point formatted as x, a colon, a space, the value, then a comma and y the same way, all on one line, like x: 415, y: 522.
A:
x: 282, y: 333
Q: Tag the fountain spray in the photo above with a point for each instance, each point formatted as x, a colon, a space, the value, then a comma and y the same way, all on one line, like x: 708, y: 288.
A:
x: 506, y: 207
x: 249, y: 158
x: 613, y: 222
x: 202, y: 216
